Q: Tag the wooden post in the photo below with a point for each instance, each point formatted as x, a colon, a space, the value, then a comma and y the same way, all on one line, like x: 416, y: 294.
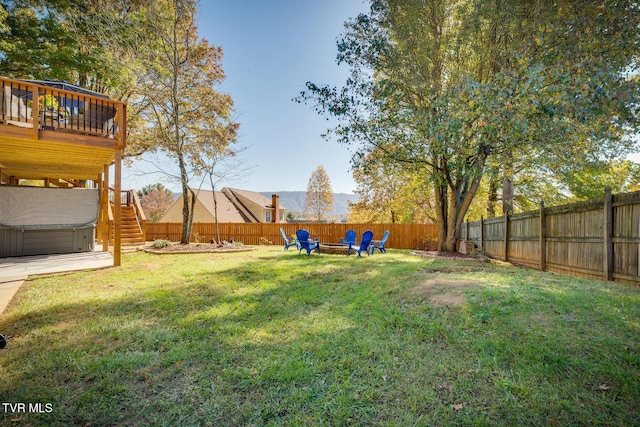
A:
x: 608, y: 234
x: 35, y: 113
x: 481, y: 233
x: 467, y: 231
x: 506, y: 236
x: 104, y: 196
x: 543, y: 238
x: 98, y: 230
x: 117, y: 214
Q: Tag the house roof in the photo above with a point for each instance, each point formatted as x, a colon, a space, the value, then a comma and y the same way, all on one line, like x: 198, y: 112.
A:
x: 59, y: 84
x: 255, y: 197
x: 227, y: 212
x: 234, y: 205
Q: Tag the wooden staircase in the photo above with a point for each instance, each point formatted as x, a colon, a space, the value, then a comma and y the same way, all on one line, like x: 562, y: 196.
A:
x: 132, y: 224
x: 131, y: 233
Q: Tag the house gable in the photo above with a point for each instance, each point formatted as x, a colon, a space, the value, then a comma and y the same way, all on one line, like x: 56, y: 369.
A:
x: 259, y: 205
x: 205, y: 211
x: 174, y: 213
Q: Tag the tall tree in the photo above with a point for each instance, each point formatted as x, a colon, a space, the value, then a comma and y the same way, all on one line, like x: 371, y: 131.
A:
x: 319, y: 201
x: 3, y: 17
x: 181, y: 112
x: 220, y: 163
x: 155, y: 200
x: 36, y: 42
x: 56, y: 40
x: 388, y: 193
x: 446, y: 85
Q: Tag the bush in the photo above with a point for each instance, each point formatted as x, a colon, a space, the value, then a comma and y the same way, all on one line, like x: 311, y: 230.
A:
x: 265, y: 241
x: 161, y: 243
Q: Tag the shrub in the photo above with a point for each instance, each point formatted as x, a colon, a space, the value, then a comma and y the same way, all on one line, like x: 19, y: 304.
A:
x: 265, y: 241
x: 161, y: 243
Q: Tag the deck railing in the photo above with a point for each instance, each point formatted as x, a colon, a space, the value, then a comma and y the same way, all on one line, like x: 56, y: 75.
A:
x: 59, y: 109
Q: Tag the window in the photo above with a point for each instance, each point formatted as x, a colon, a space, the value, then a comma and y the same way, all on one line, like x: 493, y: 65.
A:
x: 267, y: 216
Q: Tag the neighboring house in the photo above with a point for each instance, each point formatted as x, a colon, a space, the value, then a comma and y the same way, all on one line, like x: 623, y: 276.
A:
x: 233, y: 206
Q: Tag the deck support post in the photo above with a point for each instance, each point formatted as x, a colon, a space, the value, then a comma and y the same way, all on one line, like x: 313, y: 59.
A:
x: 104, y: 197
x: 117, y: 211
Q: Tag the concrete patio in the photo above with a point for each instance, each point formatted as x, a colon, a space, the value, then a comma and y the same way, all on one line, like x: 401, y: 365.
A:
x: 14, y: 271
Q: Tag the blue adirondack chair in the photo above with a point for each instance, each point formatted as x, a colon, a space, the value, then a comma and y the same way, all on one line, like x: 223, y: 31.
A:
x: 379, y: 244
x: 350, y: 237
x: 367, y: 236
x: 307, y: 243
x: 289, y: 241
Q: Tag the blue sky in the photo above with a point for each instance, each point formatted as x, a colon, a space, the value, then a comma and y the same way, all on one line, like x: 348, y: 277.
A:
x: 271, y: 49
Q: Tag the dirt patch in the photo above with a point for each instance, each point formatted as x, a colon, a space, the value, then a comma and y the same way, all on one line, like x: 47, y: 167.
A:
x: 195, y: 248
x: 438, y: 284
x: 447, y: 300
x: 442, y: 292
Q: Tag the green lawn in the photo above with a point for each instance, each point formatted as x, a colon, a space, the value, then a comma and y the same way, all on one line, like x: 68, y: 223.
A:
x: 275, y: 338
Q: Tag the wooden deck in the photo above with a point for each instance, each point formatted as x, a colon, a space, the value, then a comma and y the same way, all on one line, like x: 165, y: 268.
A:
x: 58, y: 133
x: 84, y: 137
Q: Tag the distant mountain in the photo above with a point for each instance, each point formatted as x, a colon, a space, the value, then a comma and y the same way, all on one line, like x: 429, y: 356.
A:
x: 294, y: 201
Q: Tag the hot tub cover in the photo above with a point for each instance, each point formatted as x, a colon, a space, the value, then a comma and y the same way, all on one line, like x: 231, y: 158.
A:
x: 32, y: 208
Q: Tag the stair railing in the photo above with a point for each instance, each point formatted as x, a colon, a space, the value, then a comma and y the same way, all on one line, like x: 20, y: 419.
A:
x: 140, y: 216
x: 128, y: 198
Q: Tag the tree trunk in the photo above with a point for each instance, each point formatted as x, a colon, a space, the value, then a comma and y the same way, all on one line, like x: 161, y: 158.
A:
x: 186, y: 232
x: 507, y: 195
x: 215, y: 207
x: 192, y: 210
x: 187, y: 218
x: 452, y: 203
x: 441, y: 205
x: 507, y: 185
x: 493, y: 198
x: 460, y: 199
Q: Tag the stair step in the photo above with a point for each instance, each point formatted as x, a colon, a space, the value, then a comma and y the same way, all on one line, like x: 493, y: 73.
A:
x: 130, y: 233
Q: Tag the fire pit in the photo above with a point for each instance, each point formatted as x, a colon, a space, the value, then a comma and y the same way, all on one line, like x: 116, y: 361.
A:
x: 333, y: 248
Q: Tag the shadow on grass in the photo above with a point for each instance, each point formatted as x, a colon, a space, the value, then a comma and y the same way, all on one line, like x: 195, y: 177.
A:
x: 282, y: 338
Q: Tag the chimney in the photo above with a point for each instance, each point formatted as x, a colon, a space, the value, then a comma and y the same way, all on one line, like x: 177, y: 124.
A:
x: 275, y: 201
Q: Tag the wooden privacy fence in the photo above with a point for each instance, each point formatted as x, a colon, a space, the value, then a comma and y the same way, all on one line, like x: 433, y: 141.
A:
x: 598, y: 238
x: 401, y: 236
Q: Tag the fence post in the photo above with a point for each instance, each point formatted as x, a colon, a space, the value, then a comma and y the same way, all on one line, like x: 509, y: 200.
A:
x: 467, y: 230
x: 608, y: 234
x: 543, y: 238
x: 506, y: 236
x: 481, y: 233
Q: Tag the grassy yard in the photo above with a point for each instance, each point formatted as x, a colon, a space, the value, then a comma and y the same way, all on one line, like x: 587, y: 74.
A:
x: 272, y: 338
